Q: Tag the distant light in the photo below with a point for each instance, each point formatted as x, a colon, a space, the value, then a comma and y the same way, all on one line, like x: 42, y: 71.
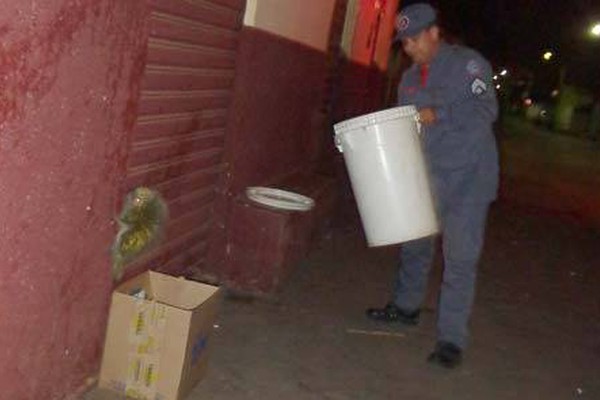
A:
x: 504, y: 72
x: 543, y: 113
x: 595, y: 31
x: 498, y: 87
x: 548, y: 56
x: 495, y: 77
x: 555, y: 93
x: 528, y: 102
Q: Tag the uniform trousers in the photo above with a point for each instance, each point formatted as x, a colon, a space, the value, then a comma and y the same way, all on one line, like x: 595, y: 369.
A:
x: 462, y: 234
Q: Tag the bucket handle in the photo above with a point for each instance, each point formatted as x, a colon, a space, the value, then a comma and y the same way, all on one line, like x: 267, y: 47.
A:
x: 338, y: 143
x: 419, y: 126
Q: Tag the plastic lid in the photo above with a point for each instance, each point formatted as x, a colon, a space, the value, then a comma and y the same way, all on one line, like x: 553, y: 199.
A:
x: 281, y: 199
x: 375, y: 118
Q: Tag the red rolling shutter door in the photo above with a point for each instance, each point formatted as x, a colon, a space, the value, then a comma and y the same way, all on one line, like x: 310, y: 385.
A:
x: 179, y: 137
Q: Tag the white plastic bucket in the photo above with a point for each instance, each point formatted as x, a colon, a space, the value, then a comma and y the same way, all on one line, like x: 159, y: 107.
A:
x: 383, y: 155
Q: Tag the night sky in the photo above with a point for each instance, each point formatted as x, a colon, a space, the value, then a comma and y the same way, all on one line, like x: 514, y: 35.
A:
x: 515, y: 33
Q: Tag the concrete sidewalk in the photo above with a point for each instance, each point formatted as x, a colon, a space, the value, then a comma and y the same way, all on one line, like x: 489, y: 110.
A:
x: 535, y: 324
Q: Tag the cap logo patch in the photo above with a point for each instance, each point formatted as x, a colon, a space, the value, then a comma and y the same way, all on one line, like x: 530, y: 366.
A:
x: 402, y: 23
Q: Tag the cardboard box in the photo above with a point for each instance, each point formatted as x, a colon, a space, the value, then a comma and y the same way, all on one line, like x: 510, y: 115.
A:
x: 157, y: 336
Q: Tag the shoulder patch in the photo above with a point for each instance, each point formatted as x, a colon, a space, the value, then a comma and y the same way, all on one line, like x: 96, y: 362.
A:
x: 473, y: 68
x: 478, y: 87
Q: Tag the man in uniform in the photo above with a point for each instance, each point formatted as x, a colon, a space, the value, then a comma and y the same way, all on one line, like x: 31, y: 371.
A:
x: 451, y: 86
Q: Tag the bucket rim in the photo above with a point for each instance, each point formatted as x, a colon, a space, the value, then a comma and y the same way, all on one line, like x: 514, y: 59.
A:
x: 375, y: 118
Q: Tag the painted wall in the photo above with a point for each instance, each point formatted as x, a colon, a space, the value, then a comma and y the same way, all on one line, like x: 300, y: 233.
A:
x: 367, y: 41
x: 307, y: 22
x: 372, y: 32
x: 276, y: 119
x: 277, y: 123
x: 70, y: 73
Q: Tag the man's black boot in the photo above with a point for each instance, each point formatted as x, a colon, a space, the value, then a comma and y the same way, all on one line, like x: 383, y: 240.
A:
x: 446, y: 354
x: 393, y: 313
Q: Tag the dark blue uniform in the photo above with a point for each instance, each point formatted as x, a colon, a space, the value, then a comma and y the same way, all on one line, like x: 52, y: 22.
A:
x: 461, y: 152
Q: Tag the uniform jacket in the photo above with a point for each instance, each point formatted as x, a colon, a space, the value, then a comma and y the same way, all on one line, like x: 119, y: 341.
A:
x: 460, y: 147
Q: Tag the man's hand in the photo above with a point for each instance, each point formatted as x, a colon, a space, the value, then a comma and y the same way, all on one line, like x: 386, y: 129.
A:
x: 427, y: 116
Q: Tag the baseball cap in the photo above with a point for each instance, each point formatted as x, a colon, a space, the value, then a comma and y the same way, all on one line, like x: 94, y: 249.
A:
x: 413, y: 19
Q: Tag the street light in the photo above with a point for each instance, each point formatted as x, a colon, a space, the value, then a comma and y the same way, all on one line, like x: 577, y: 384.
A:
x: 595, y: 30
x: 547, y: 56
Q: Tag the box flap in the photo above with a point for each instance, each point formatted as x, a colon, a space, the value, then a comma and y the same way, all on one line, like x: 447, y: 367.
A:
x: 179, y: 292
